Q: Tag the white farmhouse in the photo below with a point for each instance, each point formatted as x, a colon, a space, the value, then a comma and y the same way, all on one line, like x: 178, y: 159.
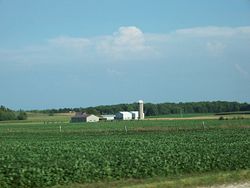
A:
x: 92, y: 118
x: 123, y: 115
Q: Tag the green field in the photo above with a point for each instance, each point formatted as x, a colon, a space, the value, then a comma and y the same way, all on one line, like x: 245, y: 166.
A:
x: 39, y: 155
x: 229, y: 115
x: 183, y: 115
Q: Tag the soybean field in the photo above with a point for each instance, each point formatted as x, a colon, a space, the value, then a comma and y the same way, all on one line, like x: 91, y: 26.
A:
x: 44, y: 155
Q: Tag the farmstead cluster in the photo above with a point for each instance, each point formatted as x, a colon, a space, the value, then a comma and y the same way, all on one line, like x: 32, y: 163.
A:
x: 122, y: 115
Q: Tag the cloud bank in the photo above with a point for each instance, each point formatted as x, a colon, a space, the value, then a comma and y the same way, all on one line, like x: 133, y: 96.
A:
x: 212, y: 31
x: 130, y: 43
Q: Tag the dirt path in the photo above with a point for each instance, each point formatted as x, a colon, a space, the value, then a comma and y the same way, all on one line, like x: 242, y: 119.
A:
x: 234, y: 185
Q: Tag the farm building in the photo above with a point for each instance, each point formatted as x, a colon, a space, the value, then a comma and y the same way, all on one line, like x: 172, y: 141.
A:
x: 83, y: 117
x: 108, y: 117
x: 135, y: 115
x: 123, y: 115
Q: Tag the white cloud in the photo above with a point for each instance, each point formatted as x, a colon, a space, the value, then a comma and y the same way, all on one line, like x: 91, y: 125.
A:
x: 126, y: 42
x: 129, y: 36
x: 213, y: 31
x: 70, y: 42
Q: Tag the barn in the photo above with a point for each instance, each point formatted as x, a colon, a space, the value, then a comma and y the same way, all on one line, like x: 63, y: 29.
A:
x: 135, y: 115
x: 123, y: 115
x: 108, y: 117
x: 83, y: 117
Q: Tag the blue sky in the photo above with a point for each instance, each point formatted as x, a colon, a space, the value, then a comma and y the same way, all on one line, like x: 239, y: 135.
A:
x: 80, y: 53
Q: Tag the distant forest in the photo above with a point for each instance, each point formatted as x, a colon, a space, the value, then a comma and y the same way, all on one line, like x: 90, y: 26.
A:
x: 8, y: 114
x: 160, y: 109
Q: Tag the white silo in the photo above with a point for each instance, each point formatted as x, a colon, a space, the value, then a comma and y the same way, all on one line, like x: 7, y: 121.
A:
x: 141, y: 114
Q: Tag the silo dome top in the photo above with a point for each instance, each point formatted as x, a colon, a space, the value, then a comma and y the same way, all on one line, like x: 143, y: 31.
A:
x: 140, y: 101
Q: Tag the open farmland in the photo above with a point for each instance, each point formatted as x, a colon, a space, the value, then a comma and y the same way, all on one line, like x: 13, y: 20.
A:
x: 39, y: 155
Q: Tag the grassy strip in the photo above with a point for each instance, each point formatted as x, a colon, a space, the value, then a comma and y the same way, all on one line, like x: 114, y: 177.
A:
x: 182, y: 115
x: 185, y: 181
x: 233, y: 113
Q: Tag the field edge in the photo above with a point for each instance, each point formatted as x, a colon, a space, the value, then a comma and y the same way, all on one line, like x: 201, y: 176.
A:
x: 184, y: 181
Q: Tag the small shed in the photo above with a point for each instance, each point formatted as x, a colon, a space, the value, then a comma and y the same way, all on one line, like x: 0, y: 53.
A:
x: 83, y: 117
x: 108, y: 117
x: 123, y: 115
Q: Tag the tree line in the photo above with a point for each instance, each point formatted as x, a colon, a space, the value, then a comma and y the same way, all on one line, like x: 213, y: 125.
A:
x: 8, y: 114
x: 151, y: 109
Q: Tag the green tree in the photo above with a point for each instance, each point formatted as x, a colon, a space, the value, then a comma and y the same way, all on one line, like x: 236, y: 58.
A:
x: 22, y: 115
x: 6, y: 114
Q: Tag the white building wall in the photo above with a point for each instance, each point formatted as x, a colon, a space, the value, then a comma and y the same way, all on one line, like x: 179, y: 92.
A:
x: 135, y: 115
x: 109, y: 117
x: 92, y: 118
x: 124, y: 115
